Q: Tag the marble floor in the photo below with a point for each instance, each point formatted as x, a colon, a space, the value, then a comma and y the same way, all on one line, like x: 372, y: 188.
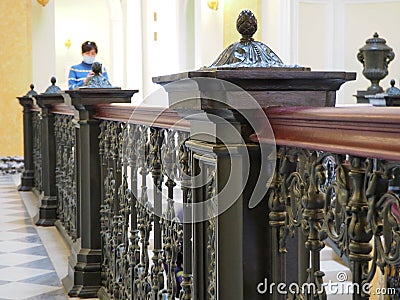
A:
x: 33, y: 260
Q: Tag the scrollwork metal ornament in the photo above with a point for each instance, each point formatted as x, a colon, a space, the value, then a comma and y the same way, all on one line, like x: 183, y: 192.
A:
x: 185, y: 163
x: 302, y: 176
x: 276, y: 204
x: 155, y: 143
x: 64, y: 131
x: 337, y: 211
x: 171, y: 223
x: 383, y: 218
x: 212, y: 232
x: 142, y: 277
x: 37, y: 154
x: 354, y: 201
x: 129, y: 219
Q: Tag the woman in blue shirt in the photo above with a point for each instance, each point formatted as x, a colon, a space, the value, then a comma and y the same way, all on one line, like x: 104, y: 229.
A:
x: 79, y: 74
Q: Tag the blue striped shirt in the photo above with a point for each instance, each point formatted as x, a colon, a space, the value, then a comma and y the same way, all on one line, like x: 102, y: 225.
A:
x: 78, y: 73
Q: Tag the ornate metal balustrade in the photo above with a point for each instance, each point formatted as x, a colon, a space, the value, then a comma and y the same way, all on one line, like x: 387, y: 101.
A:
x: 355, y: 206
x: 351, y: 199
x: 337, y: 178
x: 37, y: 154
x: 141, y: 226
x: 64, y: 131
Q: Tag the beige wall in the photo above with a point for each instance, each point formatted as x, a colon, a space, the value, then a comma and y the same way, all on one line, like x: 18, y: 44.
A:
x: 15, y: 71
x: 361, y: 21
x: 327, y: 34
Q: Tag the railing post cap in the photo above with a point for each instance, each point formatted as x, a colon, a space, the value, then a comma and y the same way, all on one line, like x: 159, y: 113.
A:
x: 53, y: 89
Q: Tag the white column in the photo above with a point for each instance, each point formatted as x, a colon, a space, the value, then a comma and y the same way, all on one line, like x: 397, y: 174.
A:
x: 116, y: 42
x: 186, y: 34
x: 148, y: 45
x: 43, y: 45
x: 133, y: 47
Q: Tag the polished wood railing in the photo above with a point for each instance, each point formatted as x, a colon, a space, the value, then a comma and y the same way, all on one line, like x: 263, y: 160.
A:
x: 125, y: 177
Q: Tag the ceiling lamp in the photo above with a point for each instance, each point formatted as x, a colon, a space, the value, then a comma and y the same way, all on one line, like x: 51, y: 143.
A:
x: 42, y: 2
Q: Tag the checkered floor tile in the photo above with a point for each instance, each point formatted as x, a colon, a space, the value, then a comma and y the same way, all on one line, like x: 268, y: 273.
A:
x: 26, y: 272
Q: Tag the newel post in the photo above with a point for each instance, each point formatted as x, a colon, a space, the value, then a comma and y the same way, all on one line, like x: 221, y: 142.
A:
x: 233, y: 239
x: 27, y: 177
x: 47, y: 214
x: 86, y: 271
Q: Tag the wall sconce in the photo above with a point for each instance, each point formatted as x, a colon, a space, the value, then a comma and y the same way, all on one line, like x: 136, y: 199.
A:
x: 213, y: 4
x: 43, y: 2
x: 67, y: 43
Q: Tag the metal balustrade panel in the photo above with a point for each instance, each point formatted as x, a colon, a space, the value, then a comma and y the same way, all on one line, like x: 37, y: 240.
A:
x: 64, y: 130
x: 351, y: 200
x: 141, y: 229
x: 37, y: 154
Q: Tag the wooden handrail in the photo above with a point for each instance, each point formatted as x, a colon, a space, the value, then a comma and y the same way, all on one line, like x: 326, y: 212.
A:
x: 62, y: 109
x: 35, y: 108
x: 154, y: 116
x: 361, y: 131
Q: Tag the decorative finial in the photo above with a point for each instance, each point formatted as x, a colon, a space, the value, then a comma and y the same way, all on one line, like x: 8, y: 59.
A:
x: 375, y: 56
x: 53, y: 89
x: 392, y: 90
x: 248, y: 53
x: 246, y: 25
x: 31, y: 92
x: 97, y: 80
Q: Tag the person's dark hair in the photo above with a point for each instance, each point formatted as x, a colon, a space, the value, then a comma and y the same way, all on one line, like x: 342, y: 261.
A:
x: 88, y: 46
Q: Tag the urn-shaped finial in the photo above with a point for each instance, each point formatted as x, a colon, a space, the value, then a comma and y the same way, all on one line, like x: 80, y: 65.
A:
x: 375, y: 57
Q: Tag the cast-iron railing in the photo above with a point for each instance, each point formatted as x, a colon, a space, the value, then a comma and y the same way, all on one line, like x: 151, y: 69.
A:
x: 66, y: 177
x: 144, y: 169
x: 337, y: 177
x: 37, y: 154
